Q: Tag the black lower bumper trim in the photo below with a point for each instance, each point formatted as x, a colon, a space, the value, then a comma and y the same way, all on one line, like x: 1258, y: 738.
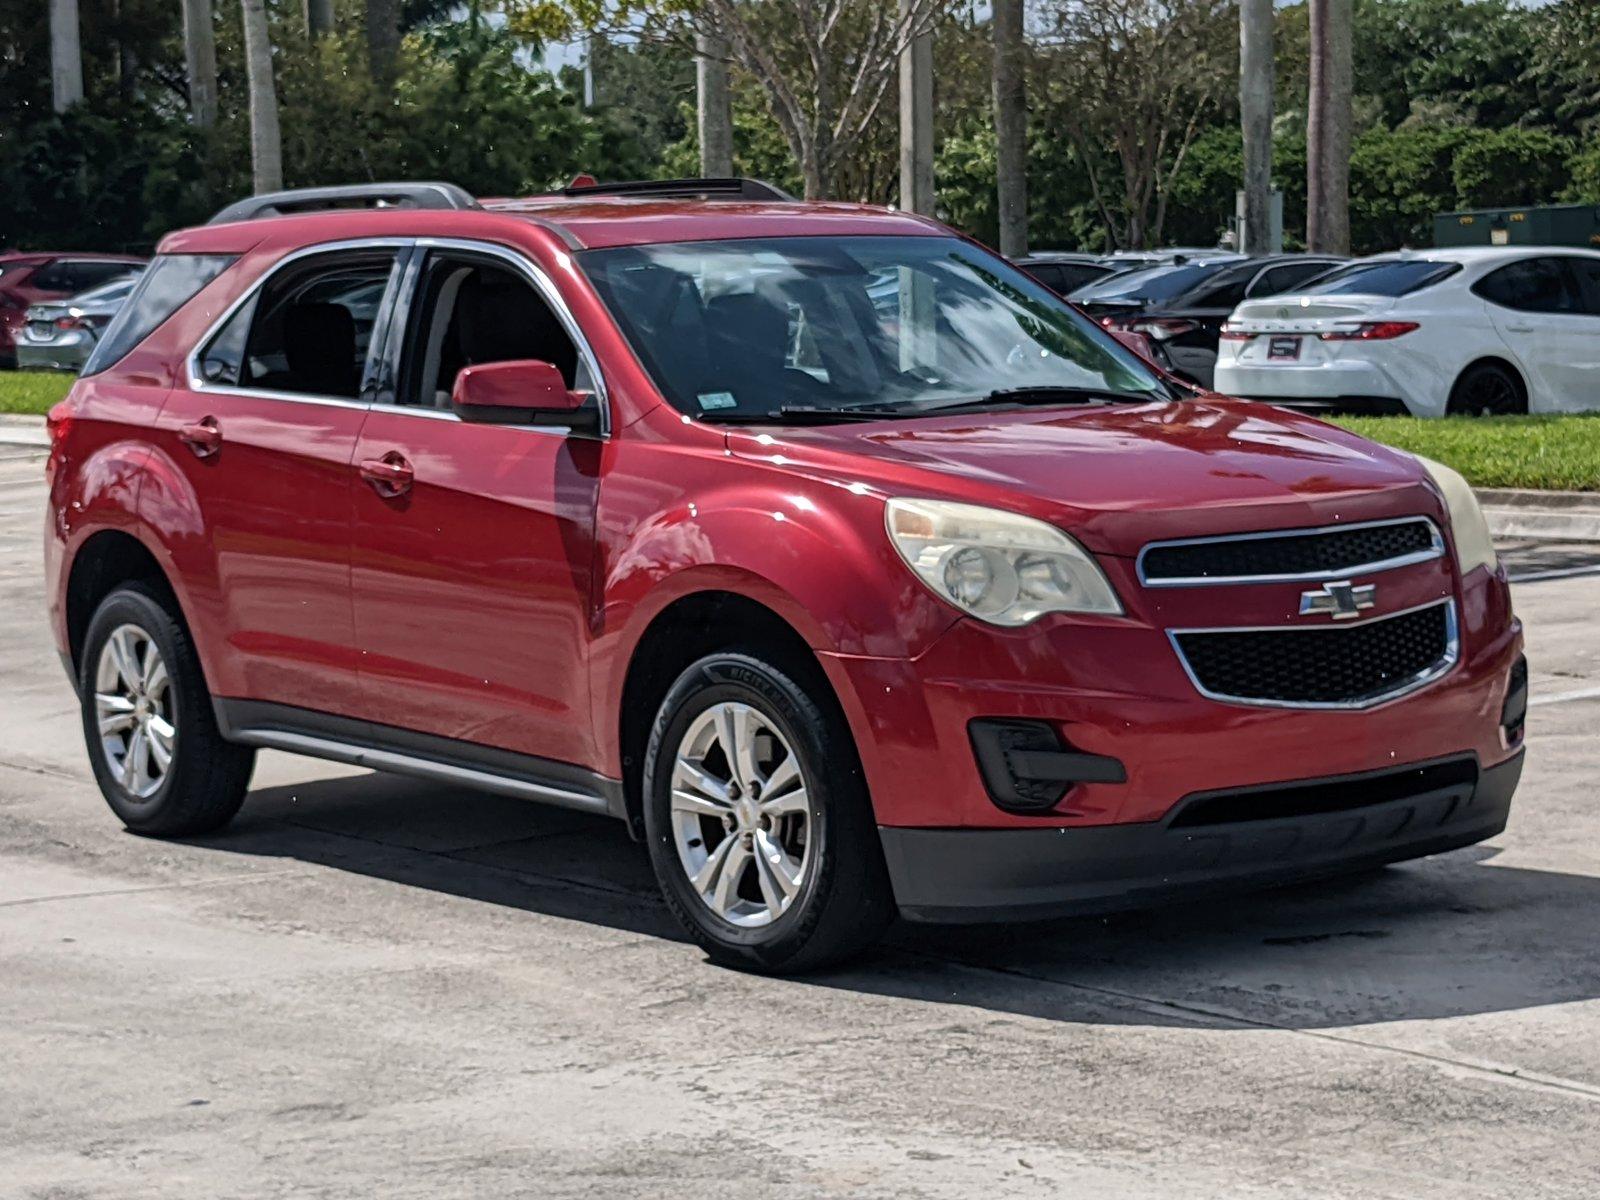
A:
x: 962, y: 875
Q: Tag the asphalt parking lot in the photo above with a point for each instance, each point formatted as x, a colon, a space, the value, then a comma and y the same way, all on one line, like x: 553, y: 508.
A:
x: 376, y: 987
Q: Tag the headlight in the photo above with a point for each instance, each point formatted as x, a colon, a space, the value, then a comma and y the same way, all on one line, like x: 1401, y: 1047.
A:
x: 1474, y: 546
x: 1000, y: 567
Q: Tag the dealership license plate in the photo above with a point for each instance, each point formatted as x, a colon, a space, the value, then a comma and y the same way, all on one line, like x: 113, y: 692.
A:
x: 1283, y: 348
x: 41, y: 330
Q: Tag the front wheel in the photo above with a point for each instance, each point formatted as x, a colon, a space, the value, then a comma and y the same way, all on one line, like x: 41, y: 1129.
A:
x: 153, y: 741
x: 758, y: 822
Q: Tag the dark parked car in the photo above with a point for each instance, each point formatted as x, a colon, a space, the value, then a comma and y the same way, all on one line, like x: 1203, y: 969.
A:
x: 1063, y: 271
x: 29, y: 278
x: 1182, y: 309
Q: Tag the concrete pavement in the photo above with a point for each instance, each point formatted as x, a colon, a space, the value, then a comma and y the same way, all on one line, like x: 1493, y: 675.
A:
x: 371, y: 986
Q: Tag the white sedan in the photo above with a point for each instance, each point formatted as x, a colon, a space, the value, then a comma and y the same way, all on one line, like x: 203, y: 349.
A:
x: 1497, y: 329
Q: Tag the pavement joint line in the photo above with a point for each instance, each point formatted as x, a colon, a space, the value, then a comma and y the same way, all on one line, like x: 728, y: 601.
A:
x: 178, y: 885
x: 53, y: 772
x: 1489, y: 1071
x: 1566, y: 697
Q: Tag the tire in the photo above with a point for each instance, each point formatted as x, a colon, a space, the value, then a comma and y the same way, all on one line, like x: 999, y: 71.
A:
x: 1488, y: 389
x: 164, y: 701
x: 825, y: 846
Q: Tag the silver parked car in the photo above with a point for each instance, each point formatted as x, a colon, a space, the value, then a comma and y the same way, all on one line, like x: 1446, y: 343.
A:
x: 59, y: 334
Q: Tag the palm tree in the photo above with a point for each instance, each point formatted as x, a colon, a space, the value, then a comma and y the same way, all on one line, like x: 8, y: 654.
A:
x: 200, y: 61
x: 319, y: 17
x: 66, y: 55
x: 383, y: 39
x: 266, y: 146
x: 1011, y: 126
x: 715, y: 108
x: 1255, y: 119
x: 1328, y: 119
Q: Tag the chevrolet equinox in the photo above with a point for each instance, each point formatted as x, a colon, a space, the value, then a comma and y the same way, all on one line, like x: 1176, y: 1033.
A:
x: 854, y: 571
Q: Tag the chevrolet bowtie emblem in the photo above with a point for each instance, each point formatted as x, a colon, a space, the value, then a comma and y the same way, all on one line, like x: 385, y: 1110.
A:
x: 1340, y: 600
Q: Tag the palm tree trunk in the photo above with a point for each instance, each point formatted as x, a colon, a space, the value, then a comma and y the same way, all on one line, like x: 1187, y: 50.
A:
x: 200, y: 61
x: 319, y: 17
x: 1328, y: 122
x: 1256, y: 71
x: 266, y: 145
x: 1011, y: 126
x: 66, y: 55
x: 916, y: 118
x: 383, y: 38
x: 714, y: 107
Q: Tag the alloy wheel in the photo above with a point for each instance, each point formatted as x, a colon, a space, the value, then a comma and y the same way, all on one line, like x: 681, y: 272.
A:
x: 135, y: 712
x: 741, y: 816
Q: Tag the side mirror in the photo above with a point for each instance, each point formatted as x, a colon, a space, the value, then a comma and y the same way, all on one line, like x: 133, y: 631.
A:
x: 523, y: 392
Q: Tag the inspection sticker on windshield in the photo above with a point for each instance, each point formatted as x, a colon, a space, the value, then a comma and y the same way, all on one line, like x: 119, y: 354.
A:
x: 710, y: 400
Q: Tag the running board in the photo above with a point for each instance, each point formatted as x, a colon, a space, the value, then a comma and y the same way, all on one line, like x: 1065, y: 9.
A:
x: 423, y: 756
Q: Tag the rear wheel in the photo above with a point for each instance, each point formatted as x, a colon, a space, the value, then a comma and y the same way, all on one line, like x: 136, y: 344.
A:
x: 153, y: 741
x: 1488, y: 389
x: 758, y: 822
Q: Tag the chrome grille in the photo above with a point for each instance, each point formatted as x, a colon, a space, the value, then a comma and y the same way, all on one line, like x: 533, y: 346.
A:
x: 1353, y: 665
x: 1291, y: 554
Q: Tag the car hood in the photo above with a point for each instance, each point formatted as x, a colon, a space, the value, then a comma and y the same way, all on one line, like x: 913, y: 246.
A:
x: 1118, y: 477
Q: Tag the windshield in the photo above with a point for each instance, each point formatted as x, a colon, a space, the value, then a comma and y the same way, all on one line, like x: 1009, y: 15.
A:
x: 752, y: 326
x: 1150, y: 283
x: 1391, y: 277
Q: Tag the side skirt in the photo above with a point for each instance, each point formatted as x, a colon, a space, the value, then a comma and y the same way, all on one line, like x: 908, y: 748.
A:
x: 404, y: 752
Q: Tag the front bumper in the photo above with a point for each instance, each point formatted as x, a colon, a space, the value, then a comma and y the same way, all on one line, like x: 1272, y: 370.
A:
x: 958, y: 875
x: 1359, y: 385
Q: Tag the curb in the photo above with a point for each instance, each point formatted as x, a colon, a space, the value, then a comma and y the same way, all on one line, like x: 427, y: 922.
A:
x: 1549, y: 516
x: 20, y: 429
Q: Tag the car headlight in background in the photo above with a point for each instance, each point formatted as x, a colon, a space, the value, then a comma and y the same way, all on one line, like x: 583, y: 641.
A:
x: 1000, y: 567
x: 1474, y: 546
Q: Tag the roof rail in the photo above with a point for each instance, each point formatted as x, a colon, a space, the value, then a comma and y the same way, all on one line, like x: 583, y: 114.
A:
x: 355, y: 195
x: 731, y: 188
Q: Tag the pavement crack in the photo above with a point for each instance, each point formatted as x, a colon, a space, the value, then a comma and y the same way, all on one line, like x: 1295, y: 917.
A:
x: 178, y: 885
x: 1490, y: 1071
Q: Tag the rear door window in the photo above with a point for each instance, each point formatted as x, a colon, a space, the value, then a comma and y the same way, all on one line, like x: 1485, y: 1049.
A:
x: 169, y: 283
x: 1532, y: 285
x: 307, y: 331
x: 1587, y: 273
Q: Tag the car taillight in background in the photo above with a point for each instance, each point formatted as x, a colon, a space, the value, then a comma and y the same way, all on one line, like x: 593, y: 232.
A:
x: 1161, y: 329
x: 1370, y: 331
x: 94, y: 322
x: 1232, y: 333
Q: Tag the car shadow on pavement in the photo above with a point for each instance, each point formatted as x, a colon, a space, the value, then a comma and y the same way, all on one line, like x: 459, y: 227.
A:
x: 1454, y: 935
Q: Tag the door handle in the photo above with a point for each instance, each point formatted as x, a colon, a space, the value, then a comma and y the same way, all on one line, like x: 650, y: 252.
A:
x: 1519, y: 328
x: 389, y: 476
x: 204, y: 437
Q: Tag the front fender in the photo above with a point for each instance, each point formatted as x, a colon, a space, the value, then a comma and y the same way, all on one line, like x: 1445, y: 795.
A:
x: 813, y: 552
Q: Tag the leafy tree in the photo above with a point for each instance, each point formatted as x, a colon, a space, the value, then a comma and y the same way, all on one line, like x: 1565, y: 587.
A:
x: 1140, y: 79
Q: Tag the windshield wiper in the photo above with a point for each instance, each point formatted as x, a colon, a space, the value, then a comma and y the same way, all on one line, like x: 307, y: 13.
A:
x: 1043, y: 394
x: 804, y: 414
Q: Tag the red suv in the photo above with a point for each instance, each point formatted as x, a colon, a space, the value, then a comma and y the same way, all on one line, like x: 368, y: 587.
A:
x: 29, y: 278
x: 854, y: 571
